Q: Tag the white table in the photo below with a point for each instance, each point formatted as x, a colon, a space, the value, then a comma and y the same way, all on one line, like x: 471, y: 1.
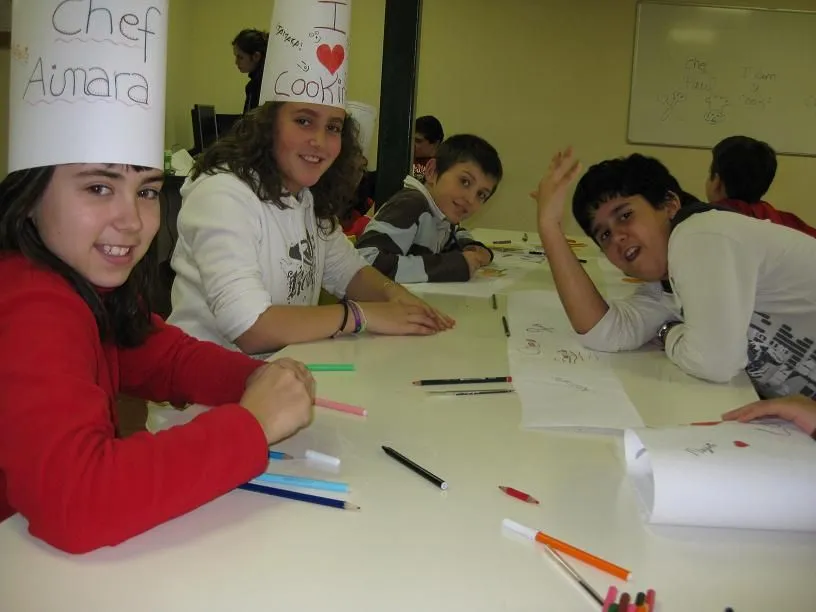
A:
x: 413, y: 547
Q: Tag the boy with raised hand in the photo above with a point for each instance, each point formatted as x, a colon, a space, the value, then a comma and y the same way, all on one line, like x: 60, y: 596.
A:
x: 416, y: 236
x: 724, y: 292
x: 742, y: 170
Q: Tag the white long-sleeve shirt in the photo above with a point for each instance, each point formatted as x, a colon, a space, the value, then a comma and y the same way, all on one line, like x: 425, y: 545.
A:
x: 236, y: 256
x: 745, y: 291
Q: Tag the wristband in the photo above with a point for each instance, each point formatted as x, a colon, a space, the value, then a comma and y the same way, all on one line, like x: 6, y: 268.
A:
x: 345, y: 319
x: 358, y: 320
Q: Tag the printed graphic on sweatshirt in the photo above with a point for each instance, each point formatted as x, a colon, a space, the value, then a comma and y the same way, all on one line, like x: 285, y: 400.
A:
x: 780, y: 360
x: 299, y: 268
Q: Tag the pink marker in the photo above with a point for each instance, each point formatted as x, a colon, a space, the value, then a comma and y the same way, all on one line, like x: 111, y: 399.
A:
x: 340, y: 406
x: 611, y: 595
x: 651, y: 596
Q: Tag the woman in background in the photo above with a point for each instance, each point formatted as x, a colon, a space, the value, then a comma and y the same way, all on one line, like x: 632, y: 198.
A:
x: 249, y: 48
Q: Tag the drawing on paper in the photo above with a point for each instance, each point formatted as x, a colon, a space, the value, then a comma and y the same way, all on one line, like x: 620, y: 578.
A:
x: 705, y: 449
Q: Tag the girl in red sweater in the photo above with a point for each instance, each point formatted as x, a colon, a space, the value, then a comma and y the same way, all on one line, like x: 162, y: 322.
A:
x: 76, y: 327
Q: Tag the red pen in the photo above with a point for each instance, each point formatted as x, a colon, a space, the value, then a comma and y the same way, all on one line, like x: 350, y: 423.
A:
x: 519, y: 495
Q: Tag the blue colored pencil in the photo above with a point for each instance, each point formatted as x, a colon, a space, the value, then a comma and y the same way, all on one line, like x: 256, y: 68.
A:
x: 306, y: 483
x: 279, y: 455
x: 304, y: 497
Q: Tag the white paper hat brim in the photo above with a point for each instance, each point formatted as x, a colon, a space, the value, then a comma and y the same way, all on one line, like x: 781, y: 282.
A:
x: 87, y: 87
x: 308, y: 51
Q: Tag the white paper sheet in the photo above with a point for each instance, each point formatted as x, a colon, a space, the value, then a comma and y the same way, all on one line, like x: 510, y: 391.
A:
x: 561, y: 383
x: 483, y: 284
x: 520, y: 258
x: 755, y: 475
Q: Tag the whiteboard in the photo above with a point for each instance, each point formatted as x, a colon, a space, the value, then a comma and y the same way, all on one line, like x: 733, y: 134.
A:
x: 702, y: 73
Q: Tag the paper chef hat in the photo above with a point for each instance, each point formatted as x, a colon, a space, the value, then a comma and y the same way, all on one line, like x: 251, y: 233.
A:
x: 87, y: 82
x: 307, y: 55
x: 365, y: 115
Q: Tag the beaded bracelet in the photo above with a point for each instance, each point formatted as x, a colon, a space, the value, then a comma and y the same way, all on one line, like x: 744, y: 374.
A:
x: 345, y: 319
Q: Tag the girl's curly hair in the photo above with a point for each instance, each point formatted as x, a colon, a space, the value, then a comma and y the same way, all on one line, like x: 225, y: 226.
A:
x: 248, y: 152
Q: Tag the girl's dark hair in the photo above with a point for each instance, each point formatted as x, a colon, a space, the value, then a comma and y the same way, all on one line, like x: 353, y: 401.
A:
x: 123, y: 314
x: 251, y: 41
x: 430, y: 127
x: 248, y: 151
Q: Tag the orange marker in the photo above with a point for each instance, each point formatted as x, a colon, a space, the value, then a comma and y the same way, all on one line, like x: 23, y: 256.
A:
x: 568, y: 549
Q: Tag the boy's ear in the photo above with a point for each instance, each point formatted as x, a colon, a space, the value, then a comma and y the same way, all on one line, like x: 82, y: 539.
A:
x: 430, y: 171
x: 673, y: 204
x: 717, y: 187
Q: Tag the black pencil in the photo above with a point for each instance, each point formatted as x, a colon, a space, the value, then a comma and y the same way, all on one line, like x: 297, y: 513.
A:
x: 506, y: 326
x: 462, y: 381
x: 493, y: 301
x: 415, y: 468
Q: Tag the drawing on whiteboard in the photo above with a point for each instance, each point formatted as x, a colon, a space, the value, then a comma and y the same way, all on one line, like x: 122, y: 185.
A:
x: 669, y: 103
x: 716, y: 109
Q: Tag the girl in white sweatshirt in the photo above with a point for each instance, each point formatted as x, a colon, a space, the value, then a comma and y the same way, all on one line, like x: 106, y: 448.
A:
x: 258, y: 238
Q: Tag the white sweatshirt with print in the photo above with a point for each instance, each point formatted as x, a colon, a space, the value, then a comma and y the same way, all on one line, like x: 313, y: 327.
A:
x: 236, y: 256
x: 745, y: 291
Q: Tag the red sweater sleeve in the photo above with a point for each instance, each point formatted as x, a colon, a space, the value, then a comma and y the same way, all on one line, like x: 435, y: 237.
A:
x: 172, y: 366
x: 79, y: 487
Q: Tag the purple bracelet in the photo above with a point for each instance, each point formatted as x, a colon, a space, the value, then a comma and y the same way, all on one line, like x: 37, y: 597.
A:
x: 358, y: 320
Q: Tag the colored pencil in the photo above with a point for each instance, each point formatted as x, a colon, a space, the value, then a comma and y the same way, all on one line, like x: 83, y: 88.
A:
x: 330, y: 367
x: 502, y: 242
x: 623, y: 603
x: 493, y: 301
x: 575, y: 575
x: 429, y: 476
x: 306, y: 483
x: 506, y: 326
x: 472, y: 392
x: 462, y: 381
x: 567, y: 549
x: 340, y: 406
x: 279, y: 455
x: 525, y: 497
x: 304, y: 497
x: 651, y: 598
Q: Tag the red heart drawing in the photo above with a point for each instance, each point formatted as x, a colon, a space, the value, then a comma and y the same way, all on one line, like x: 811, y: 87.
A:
x: 331, y: 57
x: 740, y: 444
